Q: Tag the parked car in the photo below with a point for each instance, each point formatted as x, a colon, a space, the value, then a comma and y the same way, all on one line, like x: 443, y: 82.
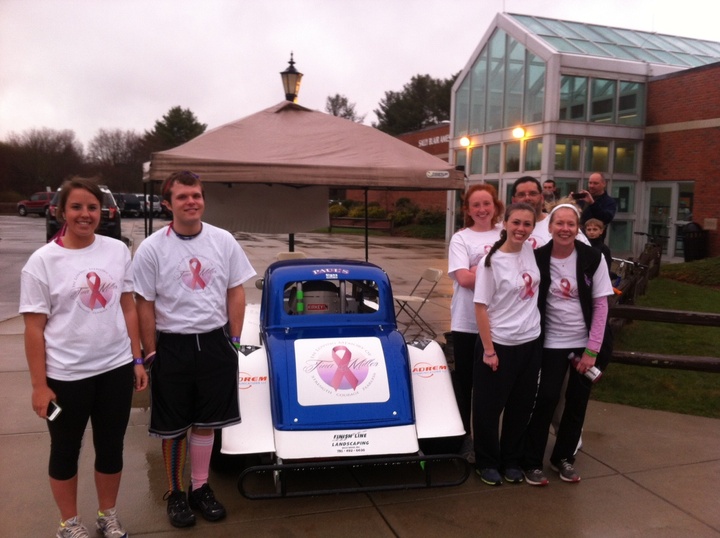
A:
x: 129, y: 204
x: 145, y: 203
x: 110, y: 224
x: 38, y: 203
x: 332, y: 384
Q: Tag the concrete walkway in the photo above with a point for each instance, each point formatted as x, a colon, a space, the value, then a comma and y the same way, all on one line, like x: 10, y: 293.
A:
x: 645, y: 473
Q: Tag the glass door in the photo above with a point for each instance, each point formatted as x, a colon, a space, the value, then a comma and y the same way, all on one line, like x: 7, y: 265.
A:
x: 669, y: 210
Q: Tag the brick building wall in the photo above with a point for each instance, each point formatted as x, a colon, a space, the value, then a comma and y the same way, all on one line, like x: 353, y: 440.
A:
x: 433, y: 140
x: 682, y: 140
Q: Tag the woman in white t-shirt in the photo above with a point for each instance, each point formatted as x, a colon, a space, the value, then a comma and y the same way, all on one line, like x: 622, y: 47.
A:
x: 507, y: 368
x: 83, y: 350
x: 483, y: 211
x: 574, y: 286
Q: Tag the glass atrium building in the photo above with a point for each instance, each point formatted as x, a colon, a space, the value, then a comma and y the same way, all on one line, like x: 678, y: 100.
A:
x: 578, y: 91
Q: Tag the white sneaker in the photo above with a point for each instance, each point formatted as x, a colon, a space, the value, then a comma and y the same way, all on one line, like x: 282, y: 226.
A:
x: 72, y: 528
x: 109, y: 525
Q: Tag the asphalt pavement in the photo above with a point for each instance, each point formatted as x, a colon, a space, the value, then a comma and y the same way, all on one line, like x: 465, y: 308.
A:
x: 644, y: 473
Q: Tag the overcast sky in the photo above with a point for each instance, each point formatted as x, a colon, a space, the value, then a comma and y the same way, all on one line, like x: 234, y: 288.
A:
x: 86, y: 65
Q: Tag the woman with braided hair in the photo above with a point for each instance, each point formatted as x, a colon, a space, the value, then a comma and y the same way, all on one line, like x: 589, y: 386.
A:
x: 506, y: 369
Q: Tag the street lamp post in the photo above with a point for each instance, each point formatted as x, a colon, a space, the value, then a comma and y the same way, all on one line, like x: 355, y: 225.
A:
x: 291, y: 78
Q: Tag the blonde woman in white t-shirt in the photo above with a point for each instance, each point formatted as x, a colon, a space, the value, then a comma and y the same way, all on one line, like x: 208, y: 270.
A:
x: 507, y: 366
x: 483, y: 212
x: 83, y: 350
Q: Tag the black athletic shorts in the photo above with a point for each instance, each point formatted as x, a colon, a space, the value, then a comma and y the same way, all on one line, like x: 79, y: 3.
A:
x: 194, y: 382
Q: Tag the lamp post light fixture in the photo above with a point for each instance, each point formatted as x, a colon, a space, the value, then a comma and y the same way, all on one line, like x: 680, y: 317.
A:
x: 291, y: 78
x: 518, y: 132
x: 465, y: 141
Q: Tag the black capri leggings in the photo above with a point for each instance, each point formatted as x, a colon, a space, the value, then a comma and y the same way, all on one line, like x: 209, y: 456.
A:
x: 105, y: 399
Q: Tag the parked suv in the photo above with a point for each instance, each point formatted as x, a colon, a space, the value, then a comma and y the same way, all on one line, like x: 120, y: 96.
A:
x: 38, y: 203
x: 129, y: 204
x: 109, y: 217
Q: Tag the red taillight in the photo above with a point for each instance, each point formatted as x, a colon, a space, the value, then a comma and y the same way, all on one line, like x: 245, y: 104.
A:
x: 51, y: 210
x: 111, y: 212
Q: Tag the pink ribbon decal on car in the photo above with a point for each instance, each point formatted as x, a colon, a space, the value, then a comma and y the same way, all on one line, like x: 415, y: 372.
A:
x: 527, y: 291
x: 93, y: 282
x: 197, y: 280
x: 565, y: 287
x: 343, y: 369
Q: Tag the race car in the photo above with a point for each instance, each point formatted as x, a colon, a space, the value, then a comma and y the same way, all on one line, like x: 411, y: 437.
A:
x: 327, y: 383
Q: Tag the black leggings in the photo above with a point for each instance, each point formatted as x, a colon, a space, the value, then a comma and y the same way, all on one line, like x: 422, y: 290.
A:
x: 105, y: 399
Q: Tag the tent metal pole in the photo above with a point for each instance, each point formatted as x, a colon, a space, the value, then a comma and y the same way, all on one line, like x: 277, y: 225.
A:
x: 291, y: 243
x: 367, y: 224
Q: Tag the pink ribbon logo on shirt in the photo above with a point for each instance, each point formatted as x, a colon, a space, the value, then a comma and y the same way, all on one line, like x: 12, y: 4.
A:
x: 527, y: 291
x: 343, y: 368
x: 565, y: 287
x: 93, y: 282
x: 195, y: 268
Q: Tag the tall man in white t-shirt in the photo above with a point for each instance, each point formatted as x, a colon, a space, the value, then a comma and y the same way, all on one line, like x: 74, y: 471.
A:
x: 189, y: 279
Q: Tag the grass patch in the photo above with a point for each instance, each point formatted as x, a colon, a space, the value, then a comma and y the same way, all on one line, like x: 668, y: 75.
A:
x: 695, y: 393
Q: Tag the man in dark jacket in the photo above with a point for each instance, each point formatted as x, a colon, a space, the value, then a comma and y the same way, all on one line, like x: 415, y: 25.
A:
x: 596, y: 203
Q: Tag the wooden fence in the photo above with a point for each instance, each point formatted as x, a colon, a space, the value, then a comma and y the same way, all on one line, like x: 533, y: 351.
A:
x: 680, y: 362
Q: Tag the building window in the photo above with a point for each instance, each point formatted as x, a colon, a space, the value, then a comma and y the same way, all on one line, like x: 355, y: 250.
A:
x: 534, y: 89
x: 476, y: 160
x: 533, y: 154
x: 567, y: 154
x: 631, y: 103
x: 603, y: 100
x: 625, y: 158
x: 512, y: 157
x: 461, y: 158
x: 624, y: 194
x: 479, y: 94
x: 493, y: 159
x: 462, y: 105
x: 573, y: 98
x: 565, y: 186
x: 514, y: 83
x: 597, y: 156
x: 620, y: 236
x: 496, y: 81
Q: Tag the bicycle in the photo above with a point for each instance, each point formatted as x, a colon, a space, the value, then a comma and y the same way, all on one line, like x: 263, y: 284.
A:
x: 629, y: 279
x: 651, y: 254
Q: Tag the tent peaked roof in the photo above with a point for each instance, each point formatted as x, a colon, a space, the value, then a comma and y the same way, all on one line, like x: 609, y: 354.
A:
x: 292, y: 145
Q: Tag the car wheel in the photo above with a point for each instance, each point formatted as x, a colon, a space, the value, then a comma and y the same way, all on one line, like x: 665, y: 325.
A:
x: 22, y: 210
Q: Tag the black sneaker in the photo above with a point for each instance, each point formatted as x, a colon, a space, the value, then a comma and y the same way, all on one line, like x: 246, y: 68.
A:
x: 178, y: 510
x: 204, y: 500
x: 514, y: 475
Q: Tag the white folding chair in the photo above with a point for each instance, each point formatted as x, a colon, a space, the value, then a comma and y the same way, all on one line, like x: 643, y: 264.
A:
x: 412, y: 304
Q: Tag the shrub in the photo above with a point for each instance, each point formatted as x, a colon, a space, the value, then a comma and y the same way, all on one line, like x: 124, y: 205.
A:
x: 337, y: 210
x: 430, y: 216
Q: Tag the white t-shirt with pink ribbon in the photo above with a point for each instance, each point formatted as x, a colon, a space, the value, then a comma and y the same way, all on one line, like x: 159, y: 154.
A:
x: 509, y: 288
x: 79, y: 291
x: 564, y: 324
x: 189, y: 278
x: 467, y: 248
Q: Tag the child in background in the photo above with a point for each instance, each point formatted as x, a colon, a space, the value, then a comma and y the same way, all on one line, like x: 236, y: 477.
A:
x: 594, y: 229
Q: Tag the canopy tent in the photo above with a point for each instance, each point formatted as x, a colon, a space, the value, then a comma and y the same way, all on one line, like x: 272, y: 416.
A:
x: 281, y: 161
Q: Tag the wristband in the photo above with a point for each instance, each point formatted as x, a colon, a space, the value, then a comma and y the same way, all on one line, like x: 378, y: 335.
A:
x: 591, y: 353
x: 235, y: 341
x: 493, y: 354
x: 138, y: 361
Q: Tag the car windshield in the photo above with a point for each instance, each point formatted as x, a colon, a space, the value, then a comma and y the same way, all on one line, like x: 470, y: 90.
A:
x: 324, y: 297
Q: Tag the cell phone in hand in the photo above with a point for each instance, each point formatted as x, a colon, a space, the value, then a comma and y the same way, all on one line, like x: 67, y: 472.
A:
x: 578, y: 195
x: 53, y: 410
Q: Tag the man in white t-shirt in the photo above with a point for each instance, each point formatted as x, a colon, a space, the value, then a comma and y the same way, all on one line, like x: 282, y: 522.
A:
x: 189, y: 279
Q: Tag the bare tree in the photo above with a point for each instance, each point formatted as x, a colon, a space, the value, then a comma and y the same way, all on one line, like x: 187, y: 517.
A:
x: 42, y: 158
x: 117, y: 156
x: 338, y: 105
